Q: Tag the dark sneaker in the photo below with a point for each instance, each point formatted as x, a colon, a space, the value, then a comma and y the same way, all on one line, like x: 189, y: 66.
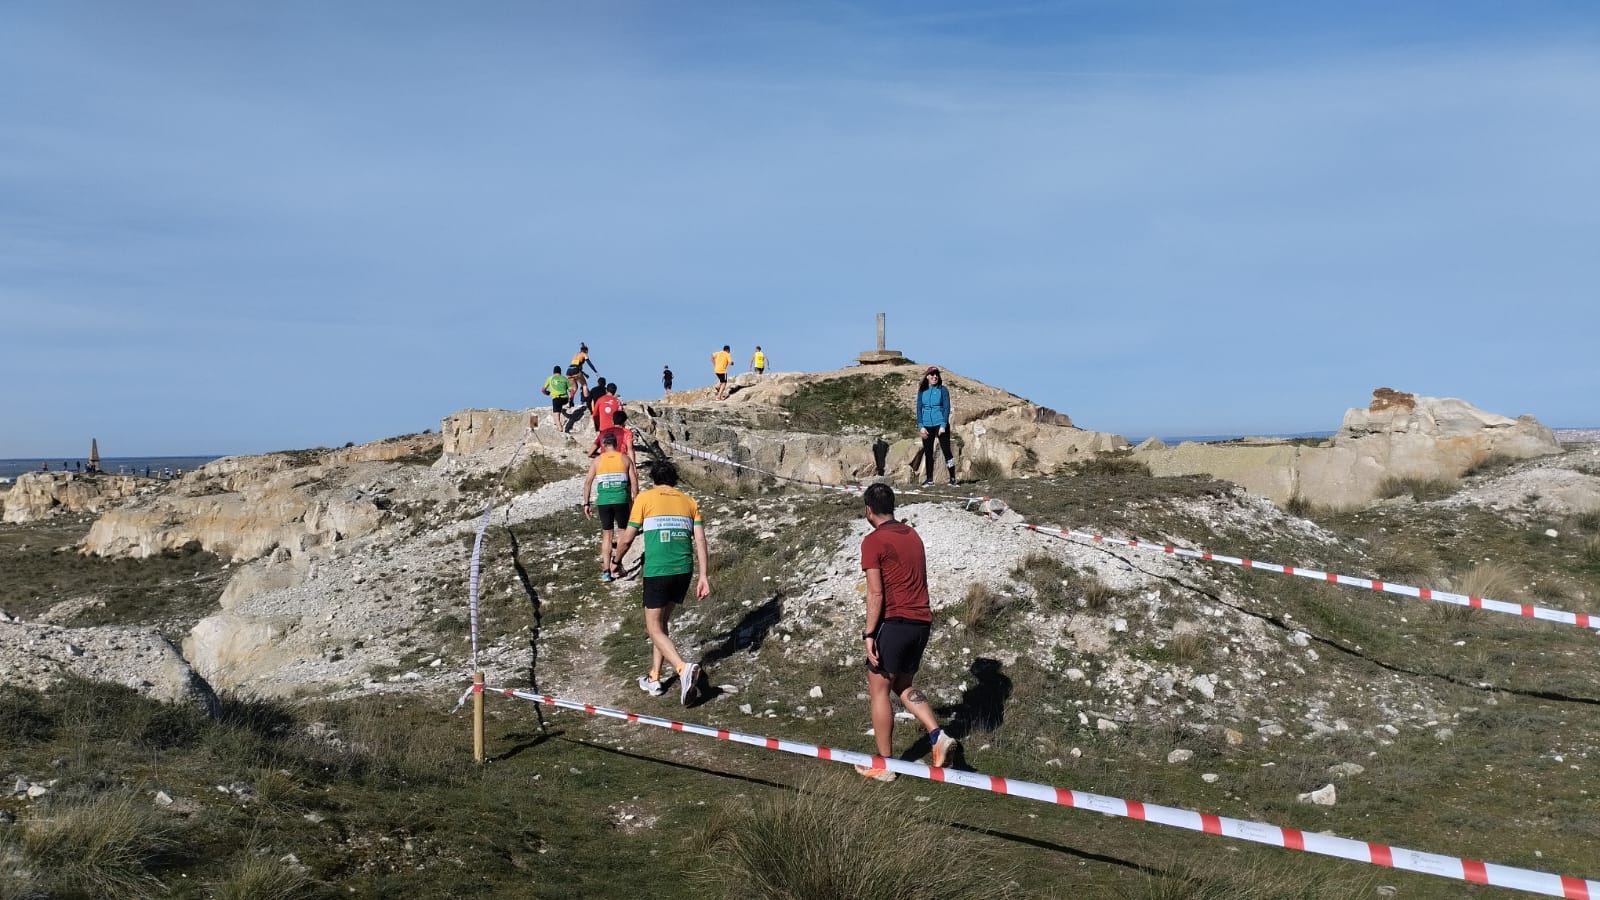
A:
x: 952, y: 478
x: 928, y: 483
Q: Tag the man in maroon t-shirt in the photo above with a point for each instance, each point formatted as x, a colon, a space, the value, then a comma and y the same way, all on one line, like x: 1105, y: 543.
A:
x: 898, y: 623
x: 618, y: 430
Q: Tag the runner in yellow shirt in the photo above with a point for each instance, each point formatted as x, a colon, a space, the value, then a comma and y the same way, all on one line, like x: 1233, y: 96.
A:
x: 720, y: 361
x: 758, y: 362
x: 615, y: 481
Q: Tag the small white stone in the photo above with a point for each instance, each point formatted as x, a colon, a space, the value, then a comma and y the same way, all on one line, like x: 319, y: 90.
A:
x: 815, y: 692
x: 1106, y: 725
x: 1210, y: 777
x: 746, y: 708
x: 1551, y: 532
x: 35, y: 791
x: 1075, y: 675
x: 163, y: 798
x: 1180, y: 756
x: 1327, y: 795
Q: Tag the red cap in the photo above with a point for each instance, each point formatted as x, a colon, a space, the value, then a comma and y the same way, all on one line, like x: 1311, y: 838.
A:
x: 932, y: 370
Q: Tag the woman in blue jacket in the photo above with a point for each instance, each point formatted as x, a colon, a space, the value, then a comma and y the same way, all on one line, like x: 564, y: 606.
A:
x: 933, y: 421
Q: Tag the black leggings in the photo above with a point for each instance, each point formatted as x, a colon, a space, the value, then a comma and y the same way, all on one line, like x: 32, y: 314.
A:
x: 942, y: 432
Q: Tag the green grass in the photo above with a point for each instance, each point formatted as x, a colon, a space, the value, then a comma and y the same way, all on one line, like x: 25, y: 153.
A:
x: 867, y: 404
x: 984, y: 468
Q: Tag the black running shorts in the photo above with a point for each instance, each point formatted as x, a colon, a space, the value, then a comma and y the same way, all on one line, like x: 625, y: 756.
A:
x: 900, y: 646
x: 612, y: 515
x: 661, y: 591
x: 722, y: 377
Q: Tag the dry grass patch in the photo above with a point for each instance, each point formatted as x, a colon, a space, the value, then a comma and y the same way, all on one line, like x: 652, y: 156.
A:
x: 828, y: 841
x: 984, y: 468
x: 1496, y: 581
x: 1188, y: 647
x: 257, y: 877
x: 1396, y: 561
x: 981, y: 607
x: 98, y: 848
x: 1253, y: 877
x: 1420, y: 488
x: 1096, y: 593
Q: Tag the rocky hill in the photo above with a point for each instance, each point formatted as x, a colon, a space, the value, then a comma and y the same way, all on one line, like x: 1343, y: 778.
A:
x: 337, y: 574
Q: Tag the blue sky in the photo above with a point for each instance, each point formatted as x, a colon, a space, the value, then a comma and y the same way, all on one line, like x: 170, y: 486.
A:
x: 239, y: 227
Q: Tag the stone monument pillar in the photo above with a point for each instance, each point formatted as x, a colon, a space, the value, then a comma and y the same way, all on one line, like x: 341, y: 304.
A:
x: 880, y: 356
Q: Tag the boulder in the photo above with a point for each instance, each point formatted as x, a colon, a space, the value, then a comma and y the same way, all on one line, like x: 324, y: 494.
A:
x: 1397, y: 435
x: 39, y: 656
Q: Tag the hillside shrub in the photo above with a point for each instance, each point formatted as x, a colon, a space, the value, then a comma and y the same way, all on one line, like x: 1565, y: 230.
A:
x: 984, y: 468
x: 1420, y: 489
x: 98, y: 848
x: 827, y: 841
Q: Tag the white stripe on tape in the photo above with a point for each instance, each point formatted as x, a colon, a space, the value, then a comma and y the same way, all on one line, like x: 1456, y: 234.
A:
x: 1259, y: 832
x: 1582, y: 620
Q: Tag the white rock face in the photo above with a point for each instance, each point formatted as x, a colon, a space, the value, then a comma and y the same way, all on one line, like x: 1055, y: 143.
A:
x: 40, y: 655
x: 40, y: 495
x: 1397, y: 435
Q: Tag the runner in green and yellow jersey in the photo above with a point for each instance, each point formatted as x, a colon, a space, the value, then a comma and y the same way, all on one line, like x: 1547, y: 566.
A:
x: 615, y: 481
x: 674, y: 547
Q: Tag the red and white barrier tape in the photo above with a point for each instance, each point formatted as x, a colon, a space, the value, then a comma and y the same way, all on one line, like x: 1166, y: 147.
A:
x: 1545, y: 614
x: 1582, y: 620
x: 851, y: 488
x: 1259, y: 832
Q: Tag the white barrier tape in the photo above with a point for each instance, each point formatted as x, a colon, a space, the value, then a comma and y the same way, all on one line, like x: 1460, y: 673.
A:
x: 851, y: 488
x: 1545, y: 614
x: 1259, y: 832
x: 1560, y: 616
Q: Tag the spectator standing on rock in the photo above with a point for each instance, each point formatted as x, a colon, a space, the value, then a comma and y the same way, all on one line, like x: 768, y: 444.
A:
x: 666, y: 379
x: 933, y: 422
x: 674, y: 546
x: 615, y: 481
x: 758, y: 362
x: 899, y: 620
x: 720, y: 361
x: 557, y: 388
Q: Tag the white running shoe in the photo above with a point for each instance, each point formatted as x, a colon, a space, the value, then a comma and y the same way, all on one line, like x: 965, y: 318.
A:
x: 653, y: 688
x: 942, y: 748
x: 689, y: 690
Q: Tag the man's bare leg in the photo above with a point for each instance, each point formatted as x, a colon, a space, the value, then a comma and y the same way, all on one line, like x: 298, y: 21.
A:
x: 878, y: 687
x: 656, y: 624
x: 914, y: 701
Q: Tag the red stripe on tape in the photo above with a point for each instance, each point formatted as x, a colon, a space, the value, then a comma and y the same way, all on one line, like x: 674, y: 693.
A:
x: 1245, y: 563
x: 998, y: 785
x: 1135, y: 809
x: 1210, y: 824
x: 1574, y: 888
x: 547, y: 699
x: 1583, y: 620
x: 1098, y: 538
x: 935, y: 773
x: 477, y: 688
x: 1169, y: 549
x: 1377, y: 585
x: 1332, y: 576
x: 1527, y: 610
x: 772, y: 743
x: 1381, y: 854
x: 588, y: 707
x: 633, y: 717
x: 1475, y: 602
x: 1063, y: 797
x: 722, y: 735
x: 1205, y: 554
x: 1424, y: 593
x: 1473, y: 871
x: 677, y: 726
x: 824, y: 753
x: 1293, y: 838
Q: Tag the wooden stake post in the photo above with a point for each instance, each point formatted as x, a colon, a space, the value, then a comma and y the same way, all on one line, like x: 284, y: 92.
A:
x: 477, y: 718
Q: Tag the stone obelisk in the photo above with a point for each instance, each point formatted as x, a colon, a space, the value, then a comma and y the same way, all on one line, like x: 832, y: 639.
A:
x: 94, y: 456
x: 880, y: 356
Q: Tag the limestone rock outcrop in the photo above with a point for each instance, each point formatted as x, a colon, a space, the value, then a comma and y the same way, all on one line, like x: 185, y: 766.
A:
x: 243, y: 507
x: 1398, y: 435
x: 762, y: 424
x: 41, y: 655
x: 40, y: 495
